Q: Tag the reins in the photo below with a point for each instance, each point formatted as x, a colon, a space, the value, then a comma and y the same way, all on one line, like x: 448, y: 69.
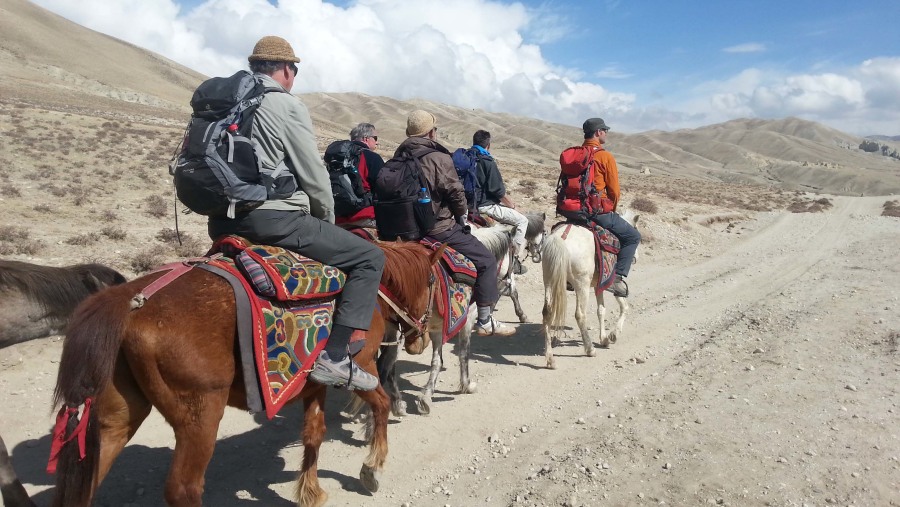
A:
x: 416, y: 327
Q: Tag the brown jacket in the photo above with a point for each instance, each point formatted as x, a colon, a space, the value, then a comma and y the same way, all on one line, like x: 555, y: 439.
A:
x: 606, y: 176
x: 448, y: 198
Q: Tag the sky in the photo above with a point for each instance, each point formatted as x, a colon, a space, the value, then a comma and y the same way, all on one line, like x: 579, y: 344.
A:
x: 640, y: 65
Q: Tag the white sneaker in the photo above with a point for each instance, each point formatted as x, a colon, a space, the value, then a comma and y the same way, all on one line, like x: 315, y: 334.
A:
x: 493, y: 327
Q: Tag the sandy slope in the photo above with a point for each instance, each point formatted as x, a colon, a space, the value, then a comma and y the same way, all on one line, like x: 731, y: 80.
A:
x: 760, y: 367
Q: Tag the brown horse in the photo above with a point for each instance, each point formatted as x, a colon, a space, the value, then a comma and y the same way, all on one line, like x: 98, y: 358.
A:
x: 178, y: 353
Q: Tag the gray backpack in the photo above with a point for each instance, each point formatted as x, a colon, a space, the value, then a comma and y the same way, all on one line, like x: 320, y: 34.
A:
x: 218, y: 172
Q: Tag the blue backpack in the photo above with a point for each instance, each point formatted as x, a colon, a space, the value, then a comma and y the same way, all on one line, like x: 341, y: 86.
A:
x: 466, y: 163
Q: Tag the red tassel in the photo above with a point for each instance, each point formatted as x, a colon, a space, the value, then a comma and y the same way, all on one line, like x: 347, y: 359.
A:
x: 59, y: 438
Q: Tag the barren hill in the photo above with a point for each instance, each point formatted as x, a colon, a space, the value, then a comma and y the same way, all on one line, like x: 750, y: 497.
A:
x: 48, y: 62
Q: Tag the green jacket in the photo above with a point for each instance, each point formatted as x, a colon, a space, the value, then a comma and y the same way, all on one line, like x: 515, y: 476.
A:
x: 283, y: 131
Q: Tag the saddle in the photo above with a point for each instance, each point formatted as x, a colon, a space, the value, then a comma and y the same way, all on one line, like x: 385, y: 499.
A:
x: 607, y: 250
x: 455, y: 275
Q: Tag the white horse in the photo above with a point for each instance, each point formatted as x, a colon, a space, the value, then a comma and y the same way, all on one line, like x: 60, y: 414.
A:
x: 497, y: 240
x: 573, y: 260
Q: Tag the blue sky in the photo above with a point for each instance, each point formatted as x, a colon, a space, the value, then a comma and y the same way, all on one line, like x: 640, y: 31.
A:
x: 640, y: 65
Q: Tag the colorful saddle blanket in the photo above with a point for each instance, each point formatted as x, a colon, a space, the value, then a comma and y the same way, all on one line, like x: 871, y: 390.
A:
x: 455, y: 276
x: 291, y: 327
x: 606, y: 247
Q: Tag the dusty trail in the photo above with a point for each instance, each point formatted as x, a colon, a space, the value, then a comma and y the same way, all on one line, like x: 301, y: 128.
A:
x: 761, y: 370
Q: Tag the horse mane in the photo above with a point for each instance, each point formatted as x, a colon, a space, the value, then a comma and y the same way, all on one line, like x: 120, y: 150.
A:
x: 407, y: 270
x: 495, y: 238
x: 57, y: 289
x: 535, y: 224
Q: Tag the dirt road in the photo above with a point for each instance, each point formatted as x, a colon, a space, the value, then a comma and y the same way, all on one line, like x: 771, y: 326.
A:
x: 759, y: 367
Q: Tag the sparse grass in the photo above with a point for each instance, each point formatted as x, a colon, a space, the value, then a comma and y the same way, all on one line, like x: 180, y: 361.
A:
x: 891, y: 209
x: 529, y: 186
x: 114, y: 232
x: 42, y: 208
x: 17, y: 240
x: 155, y: 206
x: 109, y: 216
x: 86, y: 239
x: 10, y: 191
x: 644, y: 204
x: 804, y: 206
x: 148, y: 259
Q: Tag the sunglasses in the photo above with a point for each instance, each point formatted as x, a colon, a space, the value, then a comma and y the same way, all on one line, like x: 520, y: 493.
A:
x: 293, y: 68
x: 374, y: 138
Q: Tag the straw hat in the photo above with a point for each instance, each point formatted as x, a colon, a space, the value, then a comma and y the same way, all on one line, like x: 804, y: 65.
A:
x: 272, y: 48
x: 420, y: 123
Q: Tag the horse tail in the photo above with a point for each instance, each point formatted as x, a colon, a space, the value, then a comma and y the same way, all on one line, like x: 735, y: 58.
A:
x: 93, y: 339
x: 555, y: 264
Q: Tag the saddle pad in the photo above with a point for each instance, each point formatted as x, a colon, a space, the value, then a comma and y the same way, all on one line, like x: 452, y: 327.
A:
x: 452, y: 300
x: 607, y: 254
x: 287, y: 337
x: 279, y: 273
x: 460, y: 268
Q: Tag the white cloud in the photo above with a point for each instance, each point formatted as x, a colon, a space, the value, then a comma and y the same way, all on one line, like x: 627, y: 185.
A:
x: 750, y: 47
x: 483, y: 54
x: 471, y: 53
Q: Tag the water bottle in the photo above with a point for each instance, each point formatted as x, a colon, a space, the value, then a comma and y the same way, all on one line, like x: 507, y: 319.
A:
x: 424, y: 198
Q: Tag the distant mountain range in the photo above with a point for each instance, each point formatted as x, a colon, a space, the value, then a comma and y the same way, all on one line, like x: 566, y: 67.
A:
x: 50, y: 62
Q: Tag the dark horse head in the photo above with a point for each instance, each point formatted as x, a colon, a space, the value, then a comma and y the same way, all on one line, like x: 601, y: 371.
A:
x: 29, y: 290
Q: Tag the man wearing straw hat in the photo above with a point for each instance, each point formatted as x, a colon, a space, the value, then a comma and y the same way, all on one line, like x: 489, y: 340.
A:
x: 304, y: 222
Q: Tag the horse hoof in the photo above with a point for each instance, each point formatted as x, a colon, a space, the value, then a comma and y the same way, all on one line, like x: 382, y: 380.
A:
x: 590, y: 352
x: 424, y: 406
x: 551, y: 364
x: 612, y: 338
x: 399, y: 409
x: 370, y: 478
x: 470, y: 389
x: 523, y: 319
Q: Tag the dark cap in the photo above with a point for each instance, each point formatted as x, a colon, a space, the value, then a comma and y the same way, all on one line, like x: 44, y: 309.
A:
x: 592, y: 125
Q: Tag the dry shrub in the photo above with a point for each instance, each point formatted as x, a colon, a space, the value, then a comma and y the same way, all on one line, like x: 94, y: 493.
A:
x: 528, y: 187
x: 148, y: 259
x: 79, y: 196
x: 17, y: 240
x: 644, y: 204
x: 191, y: 246
x: 168, y: 235
x: 10, y: 191
x: 109, y: 216
x: 155, y: 206
x: 43, y: 208
x: 114, y: 232
x: 804, y: 206
x: 85, y: 239
x: 891, y: 209
x: 56, y: 191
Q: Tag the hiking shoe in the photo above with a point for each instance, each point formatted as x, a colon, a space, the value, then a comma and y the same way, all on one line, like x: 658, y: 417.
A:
x: 517, y: 267
x: 493, y: 327
x: 619, y: 288
x: 344, y: 373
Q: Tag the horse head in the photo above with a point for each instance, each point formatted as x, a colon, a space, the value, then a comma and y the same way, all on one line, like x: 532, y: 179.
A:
x: 534, y: 235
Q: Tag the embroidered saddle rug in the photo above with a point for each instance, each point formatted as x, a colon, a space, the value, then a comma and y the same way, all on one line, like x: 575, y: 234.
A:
x: 606, y: 248
x: 455, y: 276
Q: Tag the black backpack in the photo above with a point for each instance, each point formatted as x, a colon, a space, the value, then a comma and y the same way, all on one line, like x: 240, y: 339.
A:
x: 342, y: 158
x: 403, y: 208
x: 217, y: 172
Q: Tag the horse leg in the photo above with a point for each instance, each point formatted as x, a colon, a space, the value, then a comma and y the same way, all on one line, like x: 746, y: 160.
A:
x: 620, y: 322
x: 605, y: 337
x: 379, y: 403
x: 424, y: 401
x: 309, y: 493
x: 122, y: 407
x: 387, y: 372
x: 581, y: 302
x: 514, y: 295
x: 196, y: 424
x: 464, y: 351
x: 548, y: 327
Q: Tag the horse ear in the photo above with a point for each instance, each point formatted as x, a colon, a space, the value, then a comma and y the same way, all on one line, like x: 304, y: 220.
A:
x: 92, y: 283
x: 636, y: 218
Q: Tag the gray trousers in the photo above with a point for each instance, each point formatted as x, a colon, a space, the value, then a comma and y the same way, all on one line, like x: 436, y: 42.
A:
x: 321, y: 241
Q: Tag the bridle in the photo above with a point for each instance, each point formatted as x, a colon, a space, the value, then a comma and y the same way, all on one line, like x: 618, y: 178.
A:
x: 415, y: 327
x: 534, y: 249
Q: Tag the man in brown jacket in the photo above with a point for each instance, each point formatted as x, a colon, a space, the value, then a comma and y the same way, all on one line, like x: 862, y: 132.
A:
x: 448, y: 199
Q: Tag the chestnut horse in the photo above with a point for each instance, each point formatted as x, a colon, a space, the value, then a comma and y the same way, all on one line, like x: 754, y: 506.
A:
x: 178, y: 353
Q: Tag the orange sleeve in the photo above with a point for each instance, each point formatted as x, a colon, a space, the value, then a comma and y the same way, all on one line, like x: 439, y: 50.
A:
x: 606, y: 176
